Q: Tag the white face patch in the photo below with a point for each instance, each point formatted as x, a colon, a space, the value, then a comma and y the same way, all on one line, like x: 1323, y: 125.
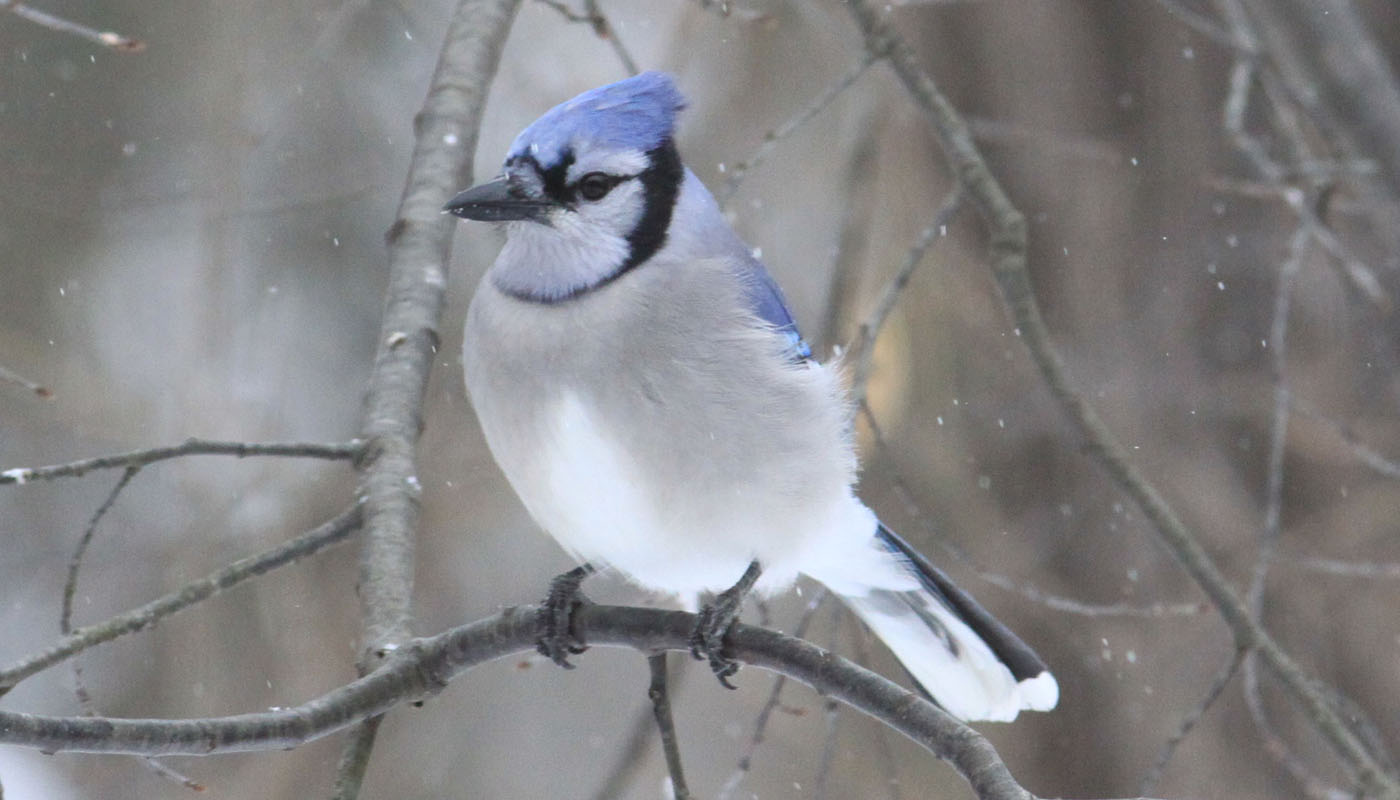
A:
x: 579, y: 248
x: 581, y: 243
x: 615, y: 214
x: 616, y: 162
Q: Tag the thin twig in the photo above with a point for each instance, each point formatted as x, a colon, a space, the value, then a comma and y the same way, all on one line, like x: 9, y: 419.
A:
x: 593, y: 16
x: 741, y: 169
x: 1311, y: 228
x: 1278, y: 425
x: 1269, y: 536
x: 9, y: 376
x: 419, y: 244
x: 1278, y: 749
x: 665, y: 725
x: 75, y: 561
x: 1246, y: 72
x: 1188, y: 722
x: 313, y: 541
x: 108, y: 39
x: 1008, y: 257
x: 631, y: 755
x: 1347, y: 569
x: 1359, y: 449
x: 856, y: 196
x: 608, y: 33
x: 1044, y: 142
x: 190, y: 447
x: 831, y: 715
x: 861, y: 351
x: 70, y: 584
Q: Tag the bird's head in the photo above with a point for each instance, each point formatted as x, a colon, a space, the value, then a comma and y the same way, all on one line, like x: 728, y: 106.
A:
x: 587, y: 190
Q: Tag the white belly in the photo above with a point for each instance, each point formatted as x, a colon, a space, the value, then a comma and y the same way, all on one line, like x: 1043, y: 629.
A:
x: 678, y: 455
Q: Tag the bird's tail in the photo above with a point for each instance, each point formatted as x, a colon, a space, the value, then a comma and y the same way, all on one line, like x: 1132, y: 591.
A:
x: 962, y: 656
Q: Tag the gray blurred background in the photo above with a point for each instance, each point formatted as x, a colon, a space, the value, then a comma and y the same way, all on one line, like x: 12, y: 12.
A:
x: 191, y: 245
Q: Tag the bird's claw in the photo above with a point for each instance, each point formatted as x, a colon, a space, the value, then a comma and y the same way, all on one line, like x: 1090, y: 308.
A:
x: 710, y: 638
x: 558, y: 639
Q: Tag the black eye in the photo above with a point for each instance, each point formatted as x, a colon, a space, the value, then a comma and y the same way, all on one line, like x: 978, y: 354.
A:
x: 595, y: 185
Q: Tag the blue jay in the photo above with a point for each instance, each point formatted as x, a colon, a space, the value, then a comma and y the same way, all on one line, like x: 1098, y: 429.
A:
x: 645, y: 390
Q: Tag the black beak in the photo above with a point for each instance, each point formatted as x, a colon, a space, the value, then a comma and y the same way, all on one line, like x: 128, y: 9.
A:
x: 496, y: 201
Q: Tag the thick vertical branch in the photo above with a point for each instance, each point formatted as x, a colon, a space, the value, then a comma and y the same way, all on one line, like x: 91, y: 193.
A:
x: 419, y: 244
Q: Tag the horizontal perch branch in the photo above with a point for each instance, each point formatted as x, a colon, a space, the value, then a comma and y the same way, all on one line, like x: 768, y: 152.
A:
x: 424, y: 667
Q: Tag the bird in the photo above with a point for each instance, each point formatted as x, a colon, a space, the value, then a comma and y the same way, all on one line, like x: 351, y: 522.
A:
x: 640, y: 381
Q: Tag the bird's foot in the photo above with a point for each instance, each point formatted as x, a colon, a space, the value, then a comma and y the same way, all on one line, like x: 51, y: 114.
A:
x: 709, y: 639
x: 558, y: 640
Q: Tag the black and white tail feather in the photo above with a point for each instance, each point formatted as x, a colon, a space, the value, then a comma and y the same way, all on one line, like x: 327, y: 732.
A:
x: 960, y: 655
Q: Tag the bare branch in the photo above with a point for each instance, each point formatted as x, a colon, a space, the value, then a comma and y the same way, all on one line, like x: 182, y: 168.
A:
x: 862, y: 349
x: 70, y: 585
x: 1358, y: 80
x: 661, y: 709
x: 608, y: 33
x: 424, y: 666
x: 1278, y: 749
x: 1008, y: 249
x: 108, y: 39
x: 331, y: 532
x: 1188, y: 723
x: 190, y: 447
x: 1050, y: 143
x: 593, y: 16
x: 1359, y: 449
x: 419, y: 243
x: 75, y: 562
x: 65, y: 620
x: 1278, y: 425
x: 740, y: 170
x: 1348, y: 569
x: 354, y: 760
x: 831, y: 715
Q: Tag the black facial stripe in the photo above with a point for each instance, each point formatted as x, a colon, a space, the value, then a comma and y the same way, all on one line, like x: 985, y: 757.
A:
x: 661, y: 182
x: 553, y: 178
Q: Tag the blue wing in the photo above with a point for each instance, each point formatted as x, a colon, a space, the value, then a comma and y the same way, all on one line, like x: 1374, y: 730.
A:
x: 767, y: 301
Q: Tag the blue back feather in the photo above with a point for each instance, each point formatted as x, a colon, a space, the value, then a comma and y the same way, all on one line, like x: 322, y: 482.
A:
x: 768, y: 304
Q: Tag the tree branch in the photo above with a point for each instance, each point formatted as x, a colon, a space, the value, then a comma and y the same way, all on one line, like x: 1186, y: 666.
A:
x: 342, y: 451
x: 424, y: 666
x: 419, y: 242
x: 328, y: 533
x: 660, y: 697
x: 1008, y: 256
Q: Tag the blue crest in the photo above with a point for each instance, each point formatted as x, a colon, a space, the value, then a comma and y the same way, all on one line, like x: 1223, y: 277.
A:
x: 637, y: 113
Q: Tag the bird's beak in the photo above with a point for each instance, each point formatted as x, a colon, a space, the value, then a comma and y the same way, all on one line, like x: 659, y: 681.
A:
x: 496, y: 201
